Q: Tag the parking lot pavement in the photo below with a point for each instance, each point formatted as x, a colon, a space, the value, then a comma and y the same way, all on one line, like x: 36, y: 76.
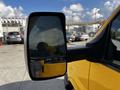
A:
x: 55, y: 84
x: 76, y: 44
x: 13, y: 73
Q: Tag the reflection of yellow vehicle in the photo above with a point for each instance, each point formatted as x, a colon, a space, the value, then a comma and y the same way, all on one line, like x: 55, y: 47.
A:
x: 98, y: 75
x: 41, y: 69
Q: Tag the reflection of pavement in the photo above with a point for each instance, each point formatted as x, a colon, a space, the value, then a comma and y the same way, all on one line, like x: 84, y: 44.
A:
x: 13, y: 73
x: 76, y: 44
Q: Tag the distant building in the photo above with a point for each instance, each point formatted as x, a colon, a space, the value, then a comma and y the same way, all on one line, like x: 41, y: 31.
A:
x: 11, y: 24
x: 92, y: 28
x: 83, y: 28
x: 1, y: 29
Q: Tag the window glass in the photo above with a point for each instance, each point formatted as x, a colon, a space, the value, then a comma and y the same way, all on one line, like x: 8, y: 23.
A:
x: 115, y: 32
x: 115, y: 39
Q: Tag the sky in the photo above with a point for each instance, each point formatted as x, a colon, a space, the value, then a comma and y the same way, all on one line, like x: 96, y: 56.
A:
x: 75, y: 10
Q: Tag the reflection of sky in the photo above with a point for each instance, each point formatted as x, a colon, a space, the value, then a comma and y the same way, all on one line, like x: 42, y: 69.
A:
x: 47, y: 29
x: 116, y: 23
x: 52, y: 37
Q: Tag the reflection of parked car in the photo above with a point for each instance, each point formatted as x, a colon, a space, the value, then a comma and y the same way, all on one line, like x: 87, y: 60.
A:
x: 70, y: 37
x: 14, y: 37
x: 84, y: 37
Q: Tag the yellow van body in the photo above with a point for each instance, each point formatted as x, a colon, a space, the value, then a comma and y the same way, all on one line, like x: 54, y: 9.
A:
x: 86, y: 75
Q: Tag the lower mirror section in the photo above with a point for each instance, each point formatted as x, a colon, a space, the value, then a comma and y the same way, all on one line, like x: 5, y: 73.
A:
x: 41, y: 69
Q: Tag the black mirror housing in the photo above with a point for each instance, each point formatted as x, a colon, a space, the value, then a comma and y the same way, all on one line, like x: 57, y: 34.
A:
x: 45, y: 45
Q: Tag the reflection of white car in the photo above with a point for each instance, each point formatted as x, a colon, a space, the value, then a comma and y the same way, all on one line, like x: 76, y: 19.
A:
x: 84, y: 37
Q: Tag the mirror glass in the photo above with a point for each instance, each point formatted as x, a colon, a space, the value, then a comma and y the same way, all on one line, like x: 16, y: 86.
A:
x: 46, y: 47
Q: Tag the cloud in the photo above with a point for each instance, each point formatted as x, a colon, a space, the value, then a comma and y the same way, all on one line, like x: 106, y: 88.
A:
x: 77, y: 13
x: 9, y: 11
x: 73, y: 12
x: 76, y: 7
x: 110, y: 5
x: 95, y: 14
x: 104, y: 11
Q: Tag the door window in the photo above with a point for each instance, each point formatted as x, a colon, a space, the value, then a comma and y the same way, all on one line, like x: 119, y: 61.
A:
x: 115, y: 39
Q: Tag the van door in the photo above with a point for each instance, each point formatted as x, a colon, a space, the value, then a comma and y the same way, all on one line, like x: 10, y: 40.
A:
x: 78, y: 74
x: 106, y: 75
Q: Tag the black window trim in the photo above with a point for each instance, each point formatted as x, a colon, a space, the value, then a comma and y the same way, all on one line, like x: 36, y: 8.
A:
x: 107, y: 62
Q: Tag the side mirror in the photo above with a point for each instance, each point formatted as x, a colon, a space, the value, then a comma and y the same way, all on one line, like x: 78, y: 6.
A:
x: 45, y: 45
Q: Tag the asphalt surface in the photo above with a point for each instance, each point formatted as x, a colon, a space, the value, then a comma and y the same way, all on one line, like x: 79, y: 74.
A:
x: 74, y: 45
x: 13, y: 73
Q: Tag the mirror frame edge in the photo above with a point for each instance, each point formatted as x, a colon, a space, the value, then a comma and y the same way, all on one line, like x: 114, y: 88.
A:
x: 26, y: 45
